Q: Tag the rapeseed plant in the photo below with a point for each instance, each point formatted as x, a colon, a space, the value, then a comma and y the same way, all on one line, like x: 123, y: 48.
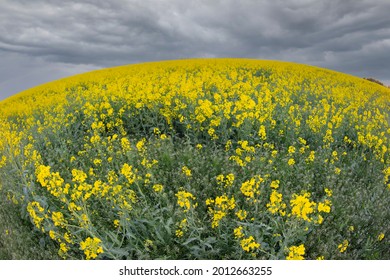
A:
x: 296, y: 252
x: 207, y: 158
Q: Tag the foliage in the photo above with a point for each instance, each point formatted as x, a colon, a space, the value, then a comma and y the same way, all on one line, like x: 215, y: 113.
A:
x: 198, y: 159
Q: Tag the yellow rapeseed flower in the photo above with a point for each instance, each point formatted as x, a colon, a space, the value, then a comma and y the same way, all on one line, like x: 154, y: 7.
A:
x: 58, y: 218
x: 302, y: 207
x: 219, y: 208
x: 275, y: 184
x: 141, y: 145
x: 91, y: 247
x: 127, y: 171
x: 52, y: 234
x: 185, y: 200
x: 78, y: 176
x: 158, y: 188
x: 324, y: 206
x: 250, y: 188
x: 42, y: 173
x: 291, y: 161
x: 262, y: 133
x: 125, y: 144
x: 36, y: 212
x: 276, y: 204
x: 343, y: 246
x: 249, y: 244
x: 328, y: 192
x: 186, y: 171
x: 225, y: 181
x: 291, y: 150
x: 241, y: 214
x: 63, y: 248
x: 311, y: 157
x: 179, y: 233
x: 296, y: 252
x: 238, y: 232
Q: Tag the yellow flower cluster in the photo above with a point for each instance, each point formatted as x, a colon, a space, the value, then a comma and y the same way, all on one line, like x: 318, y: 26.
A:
x: 158, y: 188
x: 185, y: 200
x: 91, y: 247
x: 181, y: 228
x: 243, y: 154
x: 296, y: 252
x: 79, y: 176
x: 36, y: 213
x: 386, y: 178
x: 58, y: 218
x: 186, y: 171
x: 324, y: 206
x: 241, y: 214
x: 251, y: 187
x: 52, y: 181
x: 302, y: 207
x: 225, y: 181
x: 343, y: 246
x: 219, y: 208
x: 276, y: 204
x: 127, y: 171
x: 249, y: 244
x: 238, y: 232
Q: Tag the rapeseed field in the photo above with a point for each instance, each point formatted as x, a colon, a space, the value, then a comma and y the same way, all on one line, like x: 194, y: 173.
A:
x: 197, y: 159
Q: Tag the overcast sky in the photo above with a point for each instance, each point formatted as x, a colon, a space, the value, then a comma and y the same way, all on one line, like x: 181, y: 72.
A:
x: 43, y: 40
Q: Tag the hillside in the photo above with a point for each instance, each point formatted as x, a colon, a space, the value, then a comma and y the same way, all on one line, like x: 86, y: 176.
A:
x: 197, y: 159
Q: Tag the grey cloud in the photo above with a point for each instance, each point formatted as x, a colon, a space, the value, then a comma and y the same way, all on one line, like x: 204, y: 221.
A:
x: 344, y: 35
x: 20, y: 72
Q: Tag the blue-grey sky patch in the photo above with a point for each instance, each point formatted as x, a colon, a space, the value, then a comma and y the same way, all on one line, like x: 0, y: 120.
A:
x: 43, y: 40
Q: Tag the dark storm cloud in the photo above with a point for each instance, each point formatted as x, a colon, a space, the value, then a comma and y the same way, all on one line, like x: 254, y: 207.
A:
x: 345, y: 35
